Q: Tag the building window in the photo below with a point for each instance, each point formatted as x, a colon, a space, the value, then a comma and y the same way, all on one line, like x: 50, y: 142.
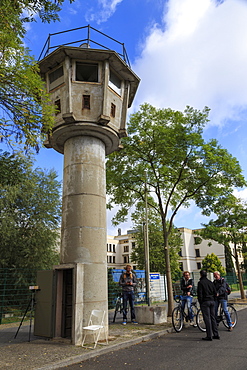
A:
x: 126, y: 259
x: 113, y: 248
x: 126, y: 248
x: 113, y: 110
x: 180, y: 253
x: 58, y: 106
x: 199, y: 265
x: 197, y: 252
x: 113, y: 259
x: 55, y: 75
x: 181, y: 266
x: 110, y: 259
x: 115, y: 82
x: 86, y: 72
x: 109, y: 247
x: 133, y: 245
x: 86, y: 102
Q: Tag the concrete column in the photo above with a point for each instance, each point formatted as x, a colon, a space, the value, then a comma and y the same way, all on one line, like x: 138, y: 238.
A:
x: 84, y: 224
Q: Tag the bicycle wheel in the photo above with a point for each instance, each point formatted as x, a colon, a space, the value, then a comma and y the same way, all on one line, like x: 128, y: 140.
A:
x: 117, y: 309
x: 199, y: 320
x: 233, y: 315
x: 177, y: 319
x: 194, y: 312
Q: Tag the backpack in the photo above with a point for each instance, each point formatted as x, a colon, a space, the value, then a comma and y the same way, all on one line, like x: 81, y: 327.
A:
x: 228, y: 288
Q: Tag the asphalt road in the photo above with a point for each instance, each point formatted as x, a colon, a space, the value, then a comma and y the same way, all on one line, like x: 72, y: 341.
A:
x: 185, y: 350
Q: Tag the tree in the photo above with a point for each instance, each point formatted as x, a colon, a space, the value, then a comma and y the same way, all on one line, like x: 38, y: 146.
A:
x: 212, y: 263
x: 25, y: 108
x: 29, y: 214
x: 156, y: 245
x: 230, y: 229
x: 165, y: 148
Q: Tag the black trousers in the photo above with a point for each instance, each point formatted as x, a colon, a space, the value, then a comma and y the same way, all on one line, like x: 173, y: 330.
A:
x: 129, y: 296
x: 208, y: 312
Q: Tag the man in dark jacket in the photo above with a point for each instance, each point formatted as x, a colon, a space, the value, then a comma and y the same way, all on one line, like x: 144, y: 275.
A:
x: 220, y: 286
x: 128, y: 282
x: 206, y: 294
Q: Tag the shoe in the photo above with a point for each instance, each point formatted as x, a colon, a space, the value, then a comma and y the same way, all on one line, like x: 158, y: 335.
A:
x: 216, y: 337
x: 134, y: 322
x: 192, y: 323
x: 230, y: 329
x: 124, y: 322
x: 207, y: 338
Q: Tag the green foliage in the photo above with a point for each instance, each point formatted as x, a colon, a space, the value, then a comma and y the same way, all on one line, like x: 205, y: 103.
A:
x: 230, y: 226
x: 166, y: 149
x: 24, y: 104
x: 197, y: 240
x: 230, y: 229
x: 156, y: 242
x: 29, y: 214
x: 212, y: 263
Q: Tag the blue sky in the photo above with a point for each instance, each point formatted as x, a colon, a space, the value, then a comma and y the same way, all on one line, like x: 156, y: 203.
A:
x: 186, y: 52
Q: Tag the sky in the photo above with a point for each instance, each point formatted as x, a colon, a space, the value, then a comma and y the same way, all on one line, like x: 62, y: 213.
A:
x: 186, y: 52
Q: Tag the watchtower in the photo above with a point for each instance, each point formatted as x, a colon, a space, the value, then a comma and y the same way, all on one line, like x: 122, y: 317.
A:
x: 92, y: 88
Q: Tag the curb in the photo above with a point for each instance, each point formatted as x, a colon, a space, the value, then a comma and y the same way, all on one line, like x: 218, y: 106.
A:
x: 76, y: 359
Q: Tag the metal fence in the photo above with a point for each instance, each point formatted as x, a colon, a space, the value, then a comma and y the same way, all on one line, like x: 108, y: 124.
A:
x: 14, y: 293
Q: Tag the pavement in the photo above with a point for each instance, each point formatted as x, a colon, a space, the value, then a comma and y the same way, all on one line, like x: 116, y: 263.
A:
x: 43, y: 354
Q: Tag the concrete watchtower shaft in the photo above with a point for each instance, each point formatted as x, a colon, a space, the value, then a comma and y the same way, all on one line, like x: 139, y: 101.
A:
x: 92, y: 90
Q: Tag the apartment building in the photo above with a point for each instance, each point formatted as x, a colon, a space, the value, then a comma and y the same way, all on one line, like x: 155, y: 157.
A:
x: 194, y: 249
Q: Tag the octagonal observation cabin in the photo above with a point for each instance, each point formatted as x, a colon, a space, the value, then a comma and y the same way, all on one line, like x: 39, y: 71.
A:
x: 91, y: 85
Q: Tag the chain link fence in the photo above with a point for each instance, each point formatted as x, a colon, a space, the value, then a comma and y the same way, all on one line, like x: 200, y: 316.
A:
x: 14, y: 293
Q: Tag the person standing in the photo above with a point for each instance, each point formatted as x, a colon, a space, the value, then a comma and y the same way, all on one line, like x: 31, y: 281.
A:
x: 220, y: 285
x: 206, y: 294
x: 128, y: 282
x: 187, y: 286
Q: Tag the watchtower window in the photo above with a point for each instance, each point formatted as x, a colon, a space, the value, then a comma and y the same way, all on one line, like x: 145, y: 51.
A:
x: 113, y: 110
x: 58, y: 106
x: 86, y: 102
x: 53, y: 76
x: 86, y: 72
x: 115, y: 82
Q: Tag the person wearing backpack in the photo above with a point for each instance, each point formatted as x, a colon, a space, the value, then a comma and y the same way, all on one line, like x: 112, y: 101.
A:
x: 222, y: 289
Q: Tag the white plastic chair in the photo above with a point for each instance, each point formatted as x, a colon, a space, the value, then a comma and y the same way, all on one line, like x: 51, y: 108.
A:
x: 95, y: 326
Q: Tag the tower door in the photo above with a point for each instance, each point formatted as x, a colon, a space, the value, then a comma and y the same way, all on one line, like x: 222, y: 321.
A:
x: 67, y: 300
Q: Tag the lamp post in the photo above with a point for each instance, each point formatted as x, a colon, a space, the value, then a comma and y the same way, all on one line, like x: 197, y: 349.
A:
x: 146, y: 246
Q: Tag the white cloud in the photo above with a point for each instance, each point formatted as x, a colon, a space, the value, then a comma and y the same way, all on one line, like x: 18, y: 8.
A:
x: 242, y: 194
x: 197, y: 57
x: 106, y: 9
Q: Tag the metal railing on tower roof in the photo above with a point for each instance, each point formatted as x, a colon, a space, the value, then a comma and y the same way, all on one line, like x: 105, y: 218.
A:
x: 85, y: 36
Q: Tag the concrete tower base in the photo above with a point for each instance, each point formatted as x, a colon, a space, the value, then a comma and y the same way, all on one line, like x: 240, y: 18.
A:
x: 84, y: 227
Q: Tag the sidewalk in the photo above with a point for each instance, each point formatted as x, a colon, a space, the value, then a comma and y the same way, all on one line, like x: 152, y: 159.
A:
x: 44, y: 354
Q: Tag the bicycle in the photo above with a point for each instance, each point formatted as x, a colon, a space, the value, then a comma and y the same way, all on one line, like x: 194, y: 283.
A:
x: 179, y: 315
x: 119, y: 306
x: 221, y: 317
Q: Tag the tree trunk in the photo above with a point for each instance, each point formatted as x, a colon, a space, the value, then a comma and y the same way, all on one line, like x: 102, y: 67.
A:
x: 241, y: 285
x: 168, y: 277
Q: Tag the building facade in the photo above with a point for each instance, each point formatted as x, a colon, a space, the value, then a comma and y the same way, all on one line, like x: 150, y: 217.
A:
x: 194, y: 249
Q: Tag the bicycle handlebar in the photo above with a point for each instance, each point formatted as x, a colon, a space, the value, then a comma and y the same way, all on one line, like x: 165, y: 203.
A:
x: 177, y: 298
